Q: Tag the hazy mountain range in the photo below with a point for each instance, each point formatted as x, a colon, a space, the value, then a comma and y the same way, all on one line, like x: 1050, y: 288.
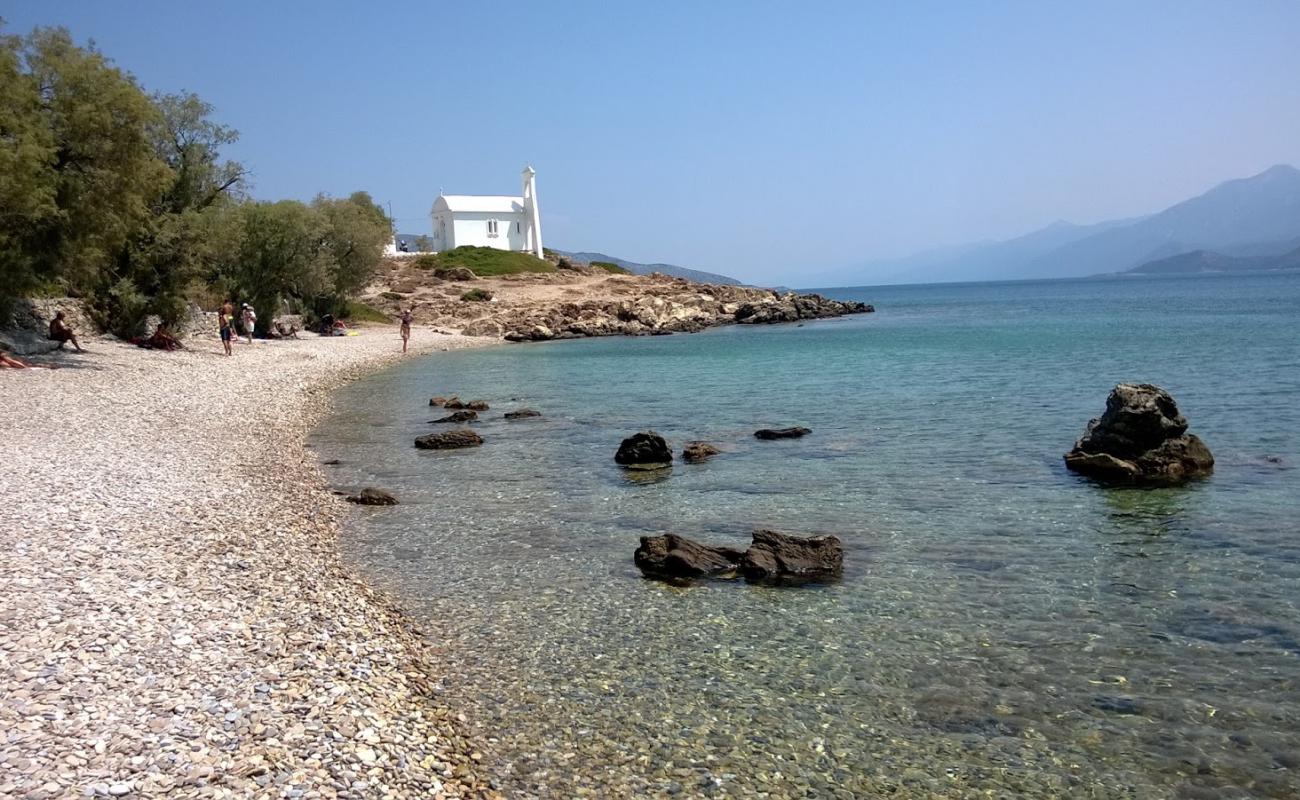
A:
x: 646, y: 269
x: 1200, y: 261
x: 1250, y: 217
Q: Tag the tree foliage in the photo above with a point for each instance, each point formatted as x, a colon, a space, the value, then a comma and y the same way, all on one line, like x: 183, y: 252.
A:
x: 125, y: 199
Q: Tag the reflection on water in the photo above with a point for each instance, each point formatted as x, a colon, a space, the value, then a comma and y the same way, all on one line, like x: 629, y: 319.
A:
x: 1003, y: 628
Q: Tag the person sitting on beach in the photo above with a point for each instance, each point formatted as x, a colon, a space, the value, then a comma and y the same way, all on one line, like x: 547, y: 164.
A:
x: 406, y: 328
x: 162, y: 339
x: 61, y: 333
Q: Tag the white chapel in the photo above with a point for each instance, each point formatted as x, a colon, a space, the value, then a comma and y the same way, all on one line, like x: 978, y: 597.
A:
x: 484, y: 220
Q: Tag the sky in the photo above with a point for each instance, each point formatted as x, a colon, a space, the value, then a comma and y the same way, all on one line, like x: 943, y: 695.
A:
x: 762, y: 140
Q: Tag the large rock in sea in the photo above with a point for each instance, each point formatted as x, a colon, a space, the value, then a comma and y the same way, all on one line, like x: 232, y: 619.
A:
x: 781, y: 433
x: 1141, y: 440
x: 645, y: 450
x: 790, y: 560
x: 371, y: 496
x: 677, y: 558
x: 523, y: 413
x: 450, y: 440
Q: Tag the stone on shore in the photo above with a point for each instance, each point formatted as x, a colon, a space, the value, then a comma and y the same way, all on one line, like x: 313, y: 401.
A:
x: 1140, y: 440
x: 781, y: 433
x: 677, y: 558
x: 457, y: 416
x: 523, y: 413
x: 790, y: 560
x: 695, y: 452
x: 450, y: 440
x: 370, y: 496
x: 645, y: 450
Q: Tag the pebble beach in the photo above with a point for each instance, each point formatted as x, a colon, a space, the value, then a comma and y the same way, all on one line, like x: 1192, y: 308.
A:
x: 174, y: 618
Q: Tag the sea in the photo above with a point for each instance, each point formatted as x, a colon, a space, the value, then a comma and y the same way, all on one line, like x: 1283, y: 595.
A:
x: 1004, y: 628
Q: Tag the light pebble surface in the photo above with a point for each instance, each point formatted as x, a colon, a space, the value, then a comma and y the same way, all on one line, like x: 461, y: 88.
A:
x: 174, y: 618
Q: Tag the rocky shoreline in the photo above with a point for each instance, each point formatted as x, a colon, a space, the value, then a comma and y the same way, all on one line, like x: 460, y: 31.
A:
x: 176, y: 621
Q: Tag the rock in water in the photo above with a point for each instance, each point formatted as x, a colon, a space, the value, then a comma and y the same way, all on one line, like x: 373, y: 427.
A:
x: 452, y: 403
x: 1141, y: 440
x: 461, y: 437
x: 458, y: 416
x: 477, y: 405
x: 646, y: 450
x: 678, y: 558
x: 437, y: 401
x: 695, y: 452
x: 791, y: 560
x: 523, y: 413
x: 371, y: 496
x: 781, y: 433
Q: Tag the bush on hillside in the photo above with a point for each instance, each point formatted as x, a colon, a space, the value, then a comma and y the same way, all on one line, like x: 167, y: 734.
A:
x: 609, y: 266
x: 488, y: 261
x: 477, y: 296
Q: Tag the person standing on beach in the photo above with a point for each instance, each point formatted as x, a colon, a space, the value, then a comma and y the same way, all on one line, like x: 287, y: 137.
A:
x: 226, y: 318
x: 406, y: 328
x: 250, y: 321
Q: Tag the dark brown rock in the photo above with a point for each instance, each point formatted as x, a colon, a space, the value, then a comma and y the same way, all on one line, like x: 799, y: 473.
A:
x: 454, y: 274
x: 646, y: 450
x: 1140, y: 440
x: 438, y: 401
x: 523, y: 413
x: 371, y: 496
x: 454, y: 403
x: 698, y: 451
x: 477, y: 405
x: 790, y: 560
x: 457, y: 416
x: 461, y: 437
x: 781, y: 433
x: 676, y: 557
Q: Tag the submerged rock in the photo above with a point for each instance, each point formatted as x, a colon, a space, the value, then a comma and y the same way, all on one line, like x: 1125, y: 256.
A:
x: 695, y: 452
x: 646, y: 450
x: 788, y: 560
x: 523, y: 413
x: 1140, y: 440
x: 772, y: 558
x: 458, y: 416
x: 371, y: 496
x: 477, y: 405
x: 676, y: 557
x: 781, y: 433
x: 439, y: 401
x: 450, y: 440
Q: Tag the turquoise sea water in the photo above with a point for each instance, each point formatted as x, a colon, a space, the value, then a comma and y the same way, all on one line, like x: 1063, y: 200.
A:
x: 1004, y: 628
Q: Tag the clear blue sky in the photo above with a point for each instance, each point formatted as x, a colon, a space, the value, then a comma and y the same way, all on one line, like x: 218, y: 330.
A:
x: 762, y: 140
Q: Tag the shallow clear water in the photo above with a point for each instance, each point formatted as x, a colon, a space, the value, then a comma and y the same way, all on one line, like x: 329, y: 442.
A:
x: 1003, y: 626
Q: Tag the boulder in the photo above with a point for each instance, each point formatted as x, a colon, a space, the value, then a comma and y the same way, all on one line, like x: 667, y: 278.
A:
x: 781, y: 433
x: 698, y: 451
x: 477, y: 405
x: 523, y: 413
x: 453, y: 404
x: 678, y: 558
x: 457, y: 416
x: 371, y: 496
x: 461, y: 437
x: 441, y: 401
x: 790, y: 560
x: 646, y: 450
x: 454, y: 274
x: 1140, y: 440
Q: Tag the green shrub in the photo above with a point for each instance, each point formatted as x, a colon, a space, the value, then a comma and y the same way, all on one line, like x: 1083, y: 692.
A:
x: 360, y: 312
x: 392, y: 295
x: 426, y: 261
x: 477, y: 295
x: 488, y: 261
x: 609, y: 266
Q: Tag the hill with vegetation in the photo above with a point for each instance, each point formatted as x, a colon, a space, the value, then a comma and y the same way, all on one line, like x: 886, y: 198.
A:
x: 1208, y: 261
x: 485, y: 262
x: 699, y: 276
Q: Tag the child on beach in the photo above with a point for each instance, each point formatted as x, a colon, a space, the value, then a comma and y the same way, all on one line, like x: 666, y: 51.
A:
x: 250, y: 321
x: 227, y: 321
x: 406, y: 328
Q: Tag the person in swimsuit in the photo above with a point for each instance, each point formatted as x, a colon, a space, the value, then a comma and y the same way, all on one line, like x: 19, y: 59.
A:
x: 61, y: 333
x: 406, y: 328
x: 227, y: 320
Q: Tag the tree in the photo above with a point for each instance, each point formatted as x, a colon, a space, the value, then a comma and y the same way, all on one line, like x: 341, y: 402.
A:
x: 273, y: 253
x: 357, y: 229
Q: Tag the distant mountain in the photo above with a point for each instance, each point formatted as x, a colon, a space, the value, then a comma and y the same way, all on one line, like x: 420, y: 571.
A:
x: 1248, y: 217
x: 1200, y: 261
x: 646, y: 269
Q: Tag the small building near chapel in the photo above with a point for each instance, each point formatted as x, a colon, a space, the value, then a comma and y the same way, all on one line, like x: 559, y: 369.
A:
x: 485, y: 220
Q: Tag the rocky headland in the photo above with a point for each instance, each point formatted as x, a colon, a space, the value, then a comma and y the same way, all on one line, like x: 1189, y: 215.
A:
x: 579, y: 301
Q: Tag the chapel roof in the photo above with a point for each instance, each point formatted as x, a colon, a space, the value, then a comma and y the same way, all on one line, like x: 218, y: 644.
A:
x: 487, y: 203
